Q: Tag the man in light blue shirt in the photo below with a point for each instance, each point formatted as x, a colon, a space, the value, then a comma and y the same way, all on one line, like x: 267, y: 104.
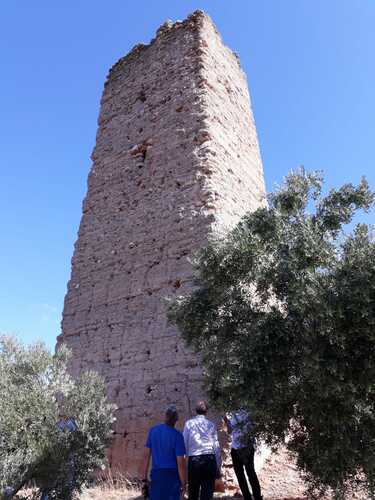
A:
x: 165, y: 445
x: 239, y: 425
x: 65, y: 424
x: 203, y: 450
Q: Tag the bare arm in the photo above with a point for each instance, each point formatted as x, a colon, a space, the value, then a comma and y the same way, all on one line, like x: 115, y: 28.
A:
x: 181, y: 463
x: 228, y: 424
x: 143, y: 469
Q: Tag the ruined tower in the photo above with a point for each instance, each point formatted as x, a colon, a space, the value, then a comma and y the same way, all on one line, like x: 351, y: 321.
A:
x: 176, y: 159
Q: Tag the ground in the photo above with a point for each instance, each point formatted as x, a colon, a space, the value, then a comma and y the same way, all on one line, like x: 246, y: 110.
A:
x: 279, y: 480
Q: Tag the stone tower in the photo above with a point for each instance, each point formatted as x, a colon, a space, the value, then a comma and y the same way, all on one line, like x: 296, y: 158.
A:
x: 176, y: 159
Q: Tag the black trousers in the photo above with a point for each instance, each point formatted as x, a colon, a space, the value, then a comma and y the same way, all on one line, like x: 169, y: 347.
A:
x: 202, y: 472
x: 243, y: 458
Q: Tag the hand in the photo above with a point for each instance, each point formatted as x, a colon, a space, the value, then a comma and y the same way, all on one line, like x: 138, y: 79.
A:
x: 183, y: 489
x: 145, y: 488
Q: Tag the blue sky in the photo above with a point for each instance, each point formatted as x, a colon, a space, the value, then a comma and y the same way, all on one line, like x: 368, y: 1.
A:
x: 311, y: 72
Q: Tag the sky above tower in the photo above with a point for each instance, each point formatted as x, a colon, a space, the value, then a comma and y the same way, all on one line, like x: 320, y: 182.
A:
x: 311, y: 74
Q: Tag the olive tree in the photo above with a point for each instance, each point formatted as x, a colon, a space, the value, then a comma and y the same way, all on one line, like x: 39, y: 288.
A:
x: 283, y: 317
x: 36, y: 393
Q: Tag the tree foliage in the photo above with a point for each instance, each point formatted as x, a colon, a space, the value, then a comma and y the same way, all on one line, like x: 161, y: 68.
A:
x: 35, y: 391
x: 283, y: 316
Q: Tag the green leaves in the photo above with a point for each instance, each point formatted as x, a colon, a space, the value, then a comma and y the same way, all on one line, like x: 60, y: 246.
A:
x: 35, y: 388
x: 284, y: 319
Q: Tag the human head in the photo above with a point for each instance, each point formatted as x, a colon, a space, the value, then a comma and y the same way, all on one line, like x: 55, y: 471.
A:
x: 201, y: 408
x: 171, y: 415
x: 62, y: 414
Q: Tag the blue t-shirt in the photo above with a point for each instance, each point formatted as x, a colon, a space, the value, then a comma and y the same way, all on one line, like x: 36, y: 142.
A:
x: 166, y: 444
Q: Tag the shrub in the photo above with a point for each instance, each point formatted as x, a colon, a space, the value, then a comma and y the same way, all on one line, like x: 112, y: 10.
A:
x: 283, y: 316
x: 35, y: 392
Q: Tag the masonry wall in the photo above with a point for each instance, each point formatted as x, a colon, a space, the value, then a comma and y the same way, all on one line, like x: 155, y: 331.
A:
x: 176, y: 159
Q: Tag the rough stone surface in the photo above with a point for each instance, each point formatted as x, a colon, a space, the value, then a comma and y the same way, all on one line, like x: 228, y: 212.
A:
x: 176, y: 159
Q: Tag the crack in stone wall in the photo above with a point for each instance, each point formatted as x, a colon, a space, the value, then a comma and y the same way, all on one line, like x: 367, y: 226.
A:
x: 176, y: 160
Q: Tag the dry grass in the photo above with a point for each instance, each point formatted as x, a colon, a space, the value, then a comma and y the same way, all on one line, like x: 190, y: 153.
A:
x: 110, y: 489
x: 106, y: 488
x: 103, y: 492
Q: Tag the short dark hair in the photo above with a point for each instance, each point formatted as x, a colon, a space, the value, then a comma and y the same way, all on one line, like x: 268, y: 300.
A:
x: 201, y: 407
x: 171, y: 414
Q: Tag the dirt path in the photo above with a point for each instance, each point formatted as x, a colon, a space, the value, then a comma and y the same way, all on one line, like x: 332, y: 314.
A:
x: 280, y: 479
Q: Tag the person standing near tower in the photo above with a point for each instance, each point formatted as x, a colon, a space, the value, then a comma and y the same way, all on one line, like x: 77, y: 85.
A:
x: 165, y: 445
x: 203, y: 452
x: 239, y: 425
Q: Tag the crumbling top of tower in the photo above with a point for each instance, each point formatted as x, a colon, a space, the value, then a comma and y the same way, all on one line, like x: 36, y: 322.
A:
x: 194, y: 21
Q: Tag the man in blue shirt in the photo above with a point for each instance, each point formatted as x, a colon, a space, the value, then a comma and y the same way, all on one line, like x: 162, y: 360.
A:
x: 165, y: 445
